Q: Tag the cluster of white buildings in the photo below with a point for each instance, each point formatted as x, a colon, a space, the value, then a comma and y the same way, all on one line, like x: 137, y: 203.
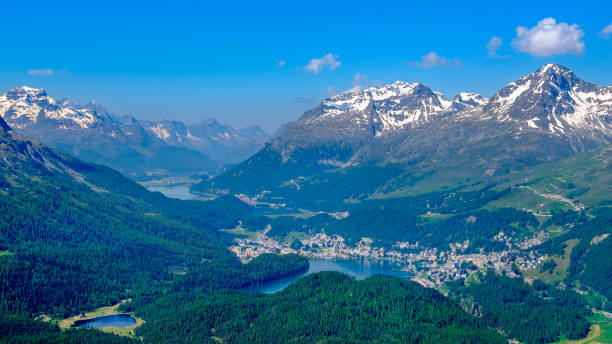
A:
x: 439, y: 266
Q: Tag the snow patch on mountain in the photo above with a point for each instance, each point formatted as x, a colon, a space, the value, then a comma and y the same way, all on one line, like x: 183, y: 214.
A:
x: 390, y: 108
x: 473, y: 99
x: 160, y: 131
x: 33, y: 112
x: 24, y: 106
x: 220, y: 142
x: 554, y: 100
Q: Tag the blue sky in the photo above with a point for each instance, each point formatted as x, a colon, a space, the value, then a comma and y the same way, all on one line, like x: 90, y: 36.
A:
x: 191, y: 60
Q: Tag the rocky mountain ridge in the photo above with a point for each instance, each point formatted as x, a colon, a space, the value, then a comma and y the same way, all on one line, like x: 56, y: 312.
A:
x: 542, y: 117
x: 139, y: 149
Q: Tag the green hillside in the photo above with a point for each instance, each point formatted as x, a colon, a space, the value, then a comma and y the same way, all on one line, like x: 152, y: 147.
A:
x: 327, y: 307
x: 77, y: 236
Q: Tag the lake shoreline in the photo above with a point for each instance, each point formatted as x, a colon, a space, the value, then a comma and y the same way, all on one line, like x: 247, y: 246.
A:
x: 358, y: 268
x: 127, y: 331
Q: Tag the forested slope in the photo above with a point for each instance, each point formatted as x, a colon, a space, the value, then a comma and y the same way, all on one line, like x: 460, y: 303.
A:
x: 327, y: 307
x: 76, y: 236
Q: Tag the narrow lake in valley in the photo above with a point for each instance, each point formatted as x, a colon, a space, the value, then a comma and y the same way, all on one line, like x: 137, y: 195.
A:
x: 117, y: 320
x: 180, y: 191
x: 358, y: 268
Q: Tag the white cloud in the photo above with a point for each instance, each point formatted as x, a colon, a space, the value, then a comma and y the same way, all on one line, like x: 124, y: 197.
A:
x: 433, y: 60
x: 358, y: 80
x: 316, y: 65
x: 40, y: 72
x: 331, y: 91
x: 494, y: 44
x: 281, y: 63
x: 549, y: 38
x: 606, y: 32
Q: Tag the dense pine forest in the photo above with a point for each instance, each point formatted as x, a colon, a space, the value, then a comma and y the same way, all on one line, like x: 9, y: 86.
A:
x: 75, y: 236
x: 326, y: 307
x: 20, y: 329
x: 74, y: 250
x: 538, y: 314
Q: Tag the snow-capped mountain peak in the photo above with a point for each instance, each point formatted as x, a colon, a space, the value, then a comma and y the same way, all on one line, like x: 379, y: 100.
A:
x: 555, y: 100
x: 25, y: 91
x: 386, y: 108
x: 542, y: 117
x: 552, y: 68
x: 25, y: 106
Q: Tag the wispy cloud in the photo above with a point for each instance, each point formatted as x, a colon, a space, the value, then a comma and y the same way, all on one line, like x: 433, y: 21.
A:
x: 606, y: 32
x: 331, y: 91
x: 317, y: 65
x: 433, y: 60
x: 549, y: 38
x: 358, y: 81
x: 493, y: 46
x: 281, y: 63
x: 40, y: 72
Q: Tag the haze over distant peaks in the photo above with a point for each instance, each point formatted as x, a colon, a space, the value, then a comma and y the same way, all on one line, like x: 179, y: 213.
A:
x: 140, y: 149
x: 218, y: 141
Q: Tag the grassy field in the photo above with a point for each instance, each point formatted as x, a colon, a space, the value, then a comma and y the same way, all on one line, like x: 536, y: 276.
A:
x: 127, y: 331
x: 592, y: 297
x: 292, y: 236
x: 523, y: 198
x: 560, y: 271
x: 473, y: 277
x: 430, y: 217
x: 601, y: 331
x: 242, y: 232
x: 583, y: 180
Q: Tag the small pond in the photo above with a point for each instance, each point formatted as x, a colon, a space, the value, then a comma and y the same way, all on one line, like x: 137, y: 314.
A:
x: 117, y: 320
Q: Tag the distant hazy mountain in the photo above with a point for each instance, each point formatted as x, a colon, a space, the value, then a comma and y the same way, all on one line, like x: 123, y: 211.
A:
x: 139, y: 149
x: 402, y: 134
x: 220, y: 142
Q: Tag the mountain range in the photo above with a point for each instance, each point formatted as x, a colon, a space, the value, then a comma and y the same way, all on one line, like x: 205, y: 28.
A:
x: 75, y: 236
x: 401, y: 138
x: 139, y: 149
